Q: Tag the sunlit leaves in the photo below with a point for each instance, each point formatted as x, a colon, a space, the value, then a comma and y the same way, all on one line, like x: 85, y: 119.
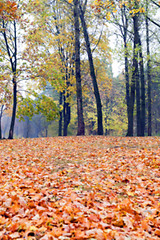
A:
x: 42, y: 104
x: 8, y: 10
x: 135, y: 11
x: 107, y: 7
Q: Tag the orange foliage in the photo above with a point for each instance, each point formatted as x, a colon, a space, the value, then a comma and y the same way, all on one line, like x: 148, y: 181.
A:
x: 8, y: 10
x: 80, y: 188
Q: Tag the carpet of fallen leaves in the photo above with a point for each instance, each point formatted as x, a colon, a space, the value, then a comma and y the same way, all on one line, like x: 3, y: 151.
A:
x: 80, y: 188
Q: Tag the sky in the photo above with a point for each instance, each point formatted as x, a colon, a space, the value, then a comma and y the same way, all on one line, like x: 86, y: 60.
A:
x: 116, y: 68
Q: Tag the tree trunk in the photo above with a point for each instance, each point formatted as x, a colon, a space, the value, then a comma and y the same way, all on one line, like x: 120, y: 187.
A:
x: 0, y: 128
x: 143, y: 103
x: 136, y: 73
x: 126, y: 77
x: 81, y: 126
x: 124, y: 32
x: 92, y: 73
x: 11, y: 131
x: 13, y: 62
x: 106, y: 116
x: 131, y: 106
x: 148, y: 77
x: 60, y: 115
x: 67, y: 108
x: 66, y: 117
x: 134, y: 84
x: 1, y: 113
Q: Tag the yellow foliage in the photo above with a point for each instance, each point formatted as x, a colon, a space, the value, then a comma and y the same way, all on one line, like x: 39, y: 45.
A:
x: 114, y: 10
x: 142, y: 10
x: 133, y: 12
x: 108, y: 16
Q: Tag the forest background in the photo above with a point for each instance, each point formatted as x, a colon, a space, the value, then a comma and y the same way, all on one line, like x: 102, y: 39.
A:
x: 56, y: 68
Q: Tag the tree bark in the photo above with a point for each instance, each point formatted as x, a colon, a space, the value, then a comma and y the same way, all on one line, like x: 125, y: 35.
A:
x: 0, y: 127
x: 92, y: 73
x: 1, y: 114
x: 136, y: 73
x: 67, y: 108
x: 143, y: 102
x: 66, y: 116
x: 124, y: 32
x: 60, y: 115
x: 67, y: 119
x: 81, y: 126
x: 148, y: 76
x: 126, y: 77
x: 13, y: 62
x: 11, y: 131
x: 134, y: 84
x: 131, y: 106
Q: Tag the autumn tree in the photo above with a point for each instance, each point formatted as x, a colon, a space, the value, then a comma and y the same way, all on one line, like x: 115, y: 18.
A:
x: 104, y: 80
x: 148, y: 73
x: 81, y: 128
x: 55, y: 49
x: 9, y: 44
x: 122, y: 22
x: 150, y: 19
x: 82, y: 9
x: 124, y: 13
x: 48, y: 39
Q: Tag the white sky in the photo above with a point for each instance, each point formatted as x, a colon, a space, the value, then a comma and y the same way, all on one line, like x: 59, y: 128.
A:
x: 116, y: 68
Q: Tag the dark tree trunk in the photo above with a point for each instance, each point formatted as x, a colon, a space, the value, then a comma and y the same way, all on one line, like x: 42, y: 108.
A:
x: 0, y: 128
x: 81, y: 126
x: 13, y: 62
x: 126, y: 77
x: 60, y: 115
x: 67, y: 108
x: 124, y: 32
x: 106, y: 116
x: 136, y: 73
x: 143, y: 103
x: 11, y: 131
x: 92, y: 73
x: 134, y: 84
x: 149, y: 99
x: 66, y: 116
x: 1, y: 113
x: 131, y: 106
x: 138, y: 104
x: 148, y: 77
x: 66, y: 119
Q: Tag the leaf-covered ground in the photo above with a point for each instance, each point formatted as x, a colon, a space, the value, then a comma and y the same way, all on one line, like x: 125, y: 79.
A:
x: 80, y: 188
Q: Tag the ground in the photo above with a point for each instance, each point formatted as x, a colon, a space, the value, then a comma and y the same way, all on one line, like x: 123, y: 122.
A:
x: 79, y: 188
